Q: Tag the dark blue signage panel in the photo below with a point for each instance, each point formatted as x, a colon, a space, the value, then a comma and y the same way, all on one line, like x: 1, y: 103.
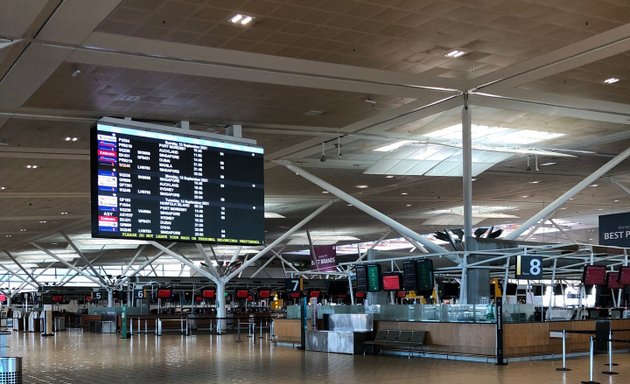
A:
x: 615, y: 230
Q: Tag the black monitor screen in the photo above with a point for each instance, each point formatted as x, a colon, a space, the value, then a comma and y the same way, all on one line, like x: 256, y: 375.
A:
x: 155, y: 185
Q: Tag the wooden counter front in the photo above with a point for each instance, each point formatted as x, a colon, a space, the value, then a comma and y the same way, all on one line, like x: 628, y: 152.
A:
x: 288, y: 330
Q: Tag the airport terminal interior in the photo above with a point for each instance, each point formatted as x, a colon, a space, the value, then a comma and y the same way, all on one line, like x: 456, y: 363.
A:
x: 258, y: 191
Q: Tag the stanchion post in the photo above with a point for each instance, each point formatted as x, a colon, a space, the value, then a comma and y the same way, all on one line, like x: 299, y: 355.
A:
x: 261, y: 328
x: 238, y: 331
x: 610, y: 359
x: 591, y: 359
x: 564, y: 353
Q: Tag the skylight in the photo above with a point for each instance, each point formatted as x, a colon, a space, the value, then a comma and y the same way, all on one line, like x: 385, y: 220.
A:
x: 494, y: 135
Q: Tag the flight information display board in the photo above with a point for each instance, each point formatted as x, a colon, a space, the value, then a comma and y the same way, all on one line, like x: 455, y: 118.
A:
x: 361, y: 272
x: 154, y: 185
x: 594, y: 275
x: 374, y: 282
x: 410, y: 280
x: 424, y: 274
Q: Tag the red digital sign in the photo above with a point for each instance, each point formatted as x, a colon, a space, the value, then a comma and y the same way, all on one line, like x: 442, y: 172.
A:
x: 264, y: 294
x: 594, y: 275
x: 314, y: 294
x: 624, y: 276
x: 57, y: 298
x: 198, y: 299
x: 294, y: 295
x: 401, y: 294
x: 612, y: 280
x: 3, y: 297
x: 164, y: 293
x: 359, y: 295
x: 392, y: 281
x: 209, y: 293
x: 242, y: 294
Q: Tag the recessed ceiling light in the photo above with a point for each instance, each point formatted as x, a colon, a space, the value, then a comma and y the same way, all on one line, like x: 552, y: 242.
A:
x: 548, y: 164
x: 241, y: 19
x: 473, y: 179
x: 71, y: 138
x: 563, y: 207
x: 594, y: 185
x: 64, y: 212
x: 349, y: 205
x: 611, y: 80
x: 22, y: 229
x: 389, y: 176
x: 571, y: 198
x: 524, y: 196
x: 615, y: 201
x: 325, y: 192
x: 361, y: 186
x: 42, y: 221
x: 403, y: 193
x: 407, y: 205
x: 314, y: 112
x: 32, y: 166
x: 3, y: 188
x: 535, y: 182
x: 455, y: 53
x: 600, y: 209
x: 8, y: 235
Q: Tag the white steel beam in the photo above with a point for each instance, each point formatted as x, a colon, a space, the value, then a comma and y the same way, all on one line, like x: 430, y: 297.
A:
x: 83, y: 273
x: 364, y: 207
x: 549, y: 209
x: 277, y: 241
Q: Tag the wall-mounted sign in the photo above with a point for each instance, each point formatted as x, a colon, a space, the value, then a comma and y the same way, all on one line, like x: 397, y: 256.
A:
x: 615, y: 230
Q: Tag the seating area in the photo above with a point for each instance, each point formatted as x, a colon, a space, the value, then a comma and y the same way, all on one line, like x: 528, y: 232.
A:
x: 410, y: 341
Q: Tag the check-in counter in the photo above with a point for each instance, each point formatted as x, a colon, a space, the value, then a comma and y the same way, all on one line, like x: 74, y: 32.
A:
x: 346, y: 334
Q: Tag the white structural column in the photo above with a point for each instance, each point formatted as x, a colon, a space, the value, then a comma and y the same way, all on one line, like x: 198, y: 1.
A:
x: 548, y: 210
x: 467, y: 170
x: 221, y: 310
x: 364, y: 207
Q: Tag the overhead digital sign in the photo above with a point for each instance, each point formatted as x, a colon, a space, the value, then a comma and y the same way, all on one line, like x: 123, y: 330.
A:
x: 528, y: 267
x: 154, y: 185
x: 615, y: 229
x: 594, y: 275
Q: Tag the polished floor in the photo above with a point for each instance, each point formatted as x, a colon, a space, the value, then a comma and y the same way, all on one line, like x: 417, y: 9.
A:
x: 78, y: 357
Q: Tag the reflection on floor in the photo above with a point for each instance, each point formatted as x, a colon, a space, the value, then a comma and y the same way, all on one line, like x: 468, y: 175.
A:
x: 77, y: 357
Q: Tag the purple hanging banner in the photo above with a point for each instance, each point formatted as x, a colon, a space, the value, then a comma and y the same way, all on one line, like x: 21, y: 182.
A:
x: 325, y: 259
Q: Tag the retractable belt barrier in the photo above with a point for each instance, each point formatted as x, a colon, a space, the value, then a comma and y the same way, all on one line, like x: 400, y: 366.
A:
x: 610, y: 340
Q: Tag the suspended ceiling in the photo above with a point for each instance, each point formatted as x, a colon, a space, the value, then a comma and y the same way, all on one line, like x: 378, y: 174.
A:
x: 362, y: 74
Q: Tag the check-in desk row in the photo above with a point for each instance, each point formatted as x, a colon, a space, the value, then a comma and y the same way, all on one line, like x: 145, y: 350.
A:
x: 33, y: 321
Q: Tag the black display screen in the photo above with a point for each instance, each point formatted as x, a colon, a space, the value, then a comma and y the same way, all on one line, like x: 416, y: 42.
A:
x: 361, y: 278
x: 424, y: 274
x: 153, y: 185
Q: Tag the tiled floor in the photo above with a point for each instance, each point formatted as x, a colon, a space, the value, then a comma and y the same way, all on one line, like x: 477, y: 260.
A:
x: 77, y: 357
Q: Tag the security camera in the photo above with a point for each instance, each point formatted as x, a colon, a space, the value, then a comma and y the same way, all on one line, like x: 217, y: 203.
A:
x: 323, y: 158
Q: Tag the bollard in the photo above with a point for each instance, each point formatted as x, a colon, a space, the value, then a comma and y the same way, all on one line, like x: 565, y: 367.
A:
x: 610, y: 359
x: 591, y: 358
x: 564, y: 353
x: 238, y: 331
x: 261, y: 329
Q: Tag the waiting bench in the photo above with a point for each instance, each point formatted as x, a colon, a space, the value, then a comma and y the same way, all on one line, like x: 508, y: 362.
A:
x: 410, y: 341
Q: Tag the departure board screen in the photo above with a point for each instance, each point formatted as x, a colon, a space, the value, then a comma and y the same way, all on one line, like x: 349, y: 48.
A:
x: 154, y: 185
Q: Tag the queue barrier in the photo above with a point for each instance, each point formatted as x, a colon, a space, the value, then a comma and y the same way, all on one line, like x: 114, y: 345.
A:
x: 592, y: 340
x: 187, y: 325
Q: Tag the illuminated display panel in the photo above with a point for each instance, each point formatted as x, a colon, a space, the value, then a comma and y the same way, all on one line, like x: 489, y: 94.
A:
x: 594, y: 275
x: 164, y: 293
x: 153, y: 185
x: 242, y: 294
x: 264, y: 294
x: 624, y: 275
x: 612, y: 280
x: 374, y: 282
x: 208, y: 293
x: 392, y: 282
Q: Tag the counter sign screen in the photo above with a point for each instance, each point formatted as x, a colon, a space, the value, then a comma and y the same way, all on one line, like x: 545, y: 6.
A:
x: 150, y: 185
